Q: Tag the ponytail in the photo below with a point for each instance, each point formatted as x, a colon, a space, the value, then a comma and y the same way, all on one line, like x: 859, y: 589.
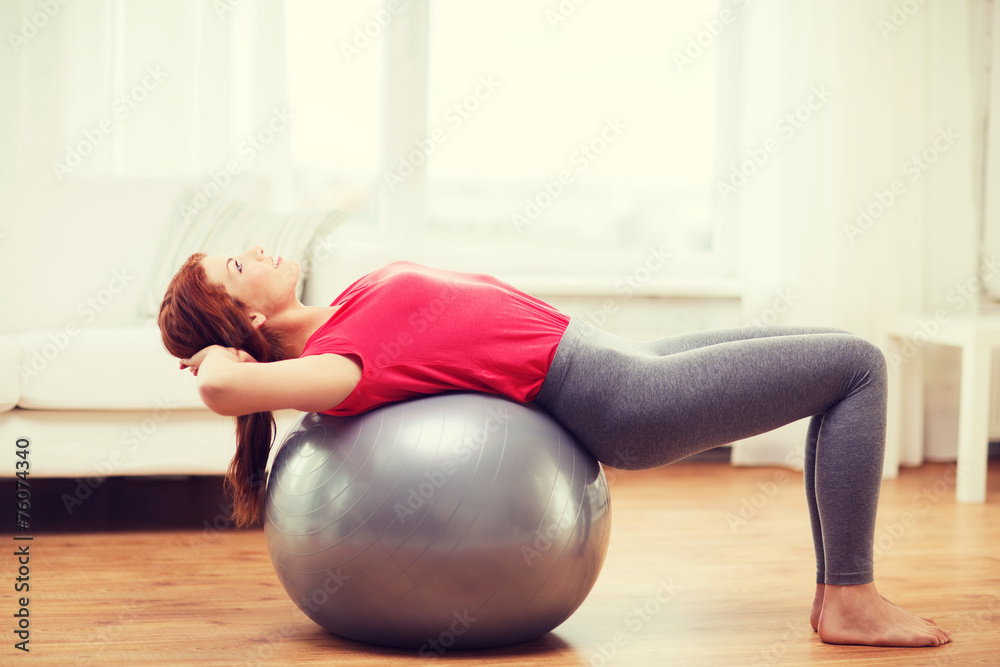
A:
x: 196, y: 313
x: 254, y: 437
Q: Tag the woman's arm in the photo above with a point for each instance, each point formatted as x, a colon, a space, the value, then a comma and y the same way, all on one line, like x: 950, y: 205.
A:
x: 232, y: 383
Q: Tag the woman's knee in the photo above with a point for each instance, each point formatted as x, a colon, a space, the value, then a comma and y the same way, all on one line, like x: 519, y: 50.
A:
x: 871, y: 358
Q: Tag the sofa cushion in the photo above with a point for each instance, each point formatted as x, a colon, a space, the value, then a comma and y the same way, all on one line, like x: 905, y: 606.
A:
x: 101, y: 368
x: 228, y: 226
x: 10, y: 362
x: 78, y: 253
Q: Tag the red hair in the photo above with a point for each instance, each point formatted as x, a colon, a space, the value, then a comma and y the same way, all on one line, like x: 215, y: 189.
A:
x: 196, y: 313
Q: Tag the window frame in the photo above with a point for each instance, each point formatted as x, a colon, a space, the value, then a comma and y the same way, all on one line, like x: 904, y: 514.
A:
x: 401, y: 211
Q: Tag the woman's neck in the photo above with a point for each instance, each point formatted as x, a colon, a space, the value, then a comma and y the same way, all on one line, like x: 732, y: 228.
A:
x: 298, y: 325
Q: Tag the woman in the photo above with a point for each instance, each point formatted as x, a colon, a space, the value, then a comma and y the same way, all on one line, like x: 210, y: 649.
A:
x: 407, y: 330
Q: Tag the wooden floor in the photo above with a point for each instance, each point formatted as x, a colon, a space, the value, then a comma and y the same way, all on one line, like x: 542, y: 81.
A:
x: 740, y: 589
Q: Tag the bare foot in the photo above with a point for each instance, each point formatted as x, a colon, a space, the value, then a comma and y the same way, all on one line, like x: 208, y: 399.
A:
x: 817, y: 607
x: 859, y: 615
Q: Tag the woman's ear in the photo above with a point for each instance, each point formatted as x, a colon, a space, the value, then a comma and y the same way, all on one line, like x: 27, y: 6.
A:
x: 258, y: 319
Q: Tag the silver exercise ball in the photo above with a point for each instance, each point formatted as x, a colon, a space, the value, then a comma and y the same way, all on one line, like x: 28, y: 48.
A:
x: 460, y: 520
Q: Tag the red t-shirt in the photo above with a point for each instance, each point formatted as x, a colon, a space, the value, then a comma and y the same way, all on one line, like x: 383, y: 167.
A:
x: 419, y: 330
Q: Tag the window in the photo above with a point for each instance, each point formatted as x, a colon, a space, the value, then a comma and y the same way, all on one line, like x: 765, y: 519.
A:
x: 335, y: 90
x: 572, y: 140
x: 560, y: 144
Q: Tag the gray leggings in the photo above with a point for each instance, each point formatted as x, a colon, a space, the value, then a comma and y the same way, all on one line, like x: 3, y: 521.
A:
x: 639, y: 405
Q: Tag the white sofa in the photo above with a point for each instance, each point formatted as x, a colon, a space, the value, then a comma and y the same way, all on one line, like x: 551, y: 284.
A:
x: 82, y: 375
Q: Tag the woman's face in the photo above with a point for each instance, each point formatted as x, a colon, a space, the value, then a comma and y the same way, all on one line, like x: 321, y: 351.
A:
x: 263, y: 283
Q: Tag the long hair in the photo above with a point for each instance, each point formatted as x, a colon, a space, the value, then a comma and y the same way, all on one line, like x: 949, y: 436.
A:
x: 196, y: 313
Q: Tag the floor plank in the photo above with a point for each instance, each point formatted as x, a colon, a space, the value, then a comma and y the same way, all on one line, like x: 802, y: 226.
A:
x: 739, y: 589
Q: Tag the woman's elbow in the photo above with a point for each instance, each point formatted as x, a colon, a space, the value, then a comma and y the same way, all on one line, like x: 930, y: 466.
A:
x: 217, y: 399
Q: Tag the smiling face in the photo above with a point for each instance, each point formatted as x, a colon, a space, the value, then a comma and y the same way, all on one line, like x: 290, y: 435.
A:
x: 265, y: 284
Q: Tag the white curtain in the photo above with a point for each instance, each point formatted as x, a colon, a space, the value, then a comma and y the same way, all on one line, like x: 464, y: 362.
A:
x: 868, y: 202
x: 141, y: 88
